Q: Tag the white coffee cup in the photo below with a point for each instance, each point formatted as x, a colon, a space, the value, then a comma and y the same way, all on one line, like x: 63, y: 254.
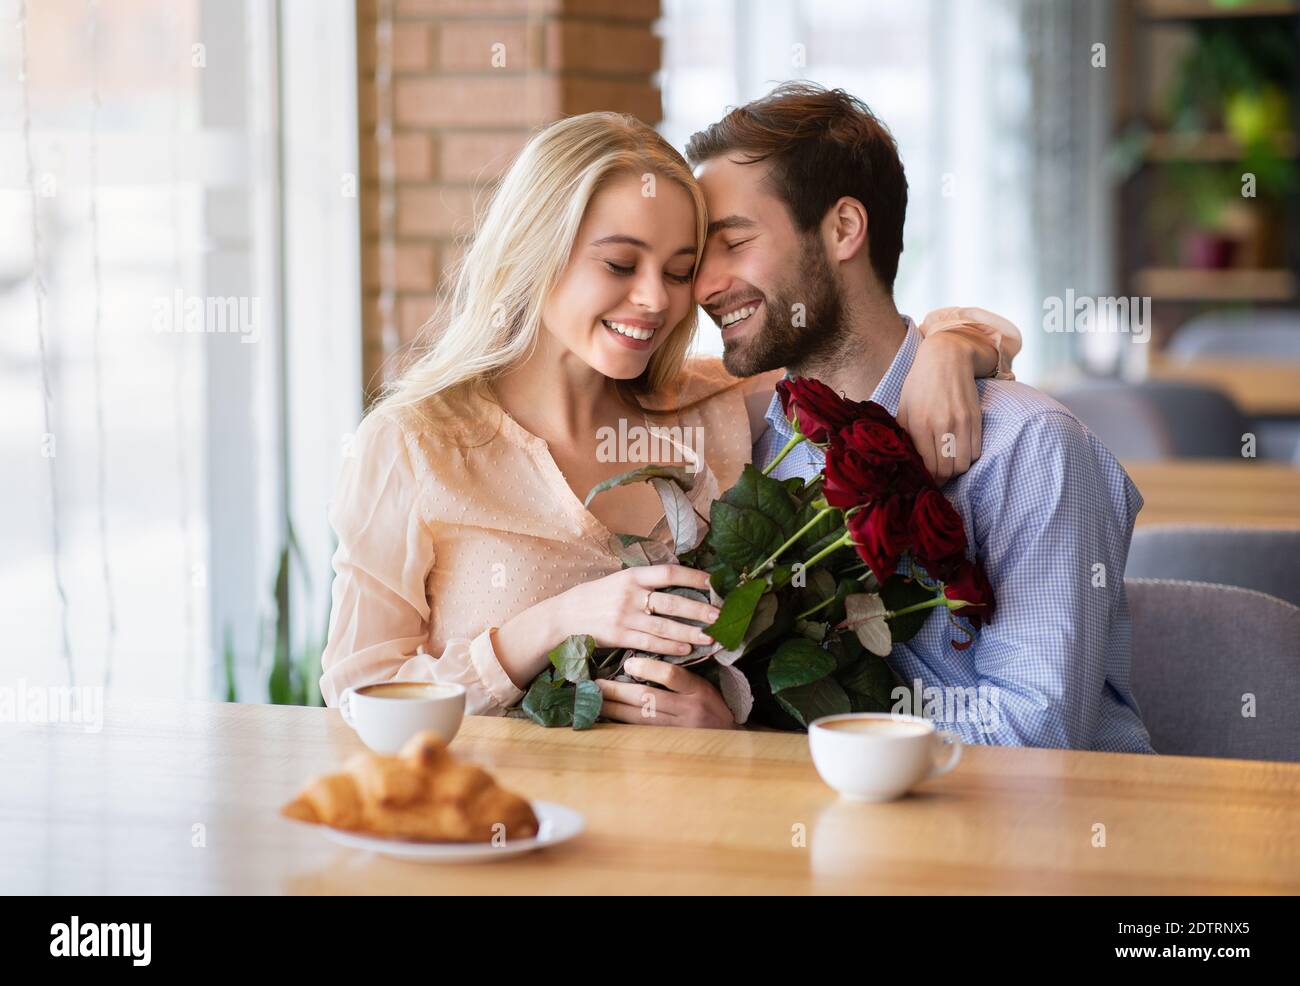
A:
x: 387, y: 714
x: 878, y: 756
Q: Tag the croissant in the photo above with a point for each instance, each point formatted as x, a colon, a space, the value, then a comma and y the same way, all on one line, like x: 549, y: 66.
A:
x: 423, y: 794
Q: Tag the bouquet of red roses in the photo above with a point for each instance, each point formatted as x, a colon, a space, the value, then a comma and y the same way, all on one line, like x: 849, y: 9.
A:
x: 816, y: 580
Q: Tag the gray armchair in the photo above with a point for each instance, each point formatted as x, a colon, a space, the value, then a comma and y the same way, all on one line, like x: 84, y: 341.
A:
x: 1201, y: 654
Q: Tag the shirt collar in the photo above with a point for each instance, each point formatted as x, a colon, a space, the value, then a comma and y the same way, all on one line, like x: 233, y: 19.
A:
x: 887, y: 393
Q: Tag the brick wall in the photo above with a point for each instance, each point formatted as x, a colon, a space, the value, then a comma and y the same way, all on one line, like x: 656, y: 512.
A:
x: 470, y: 80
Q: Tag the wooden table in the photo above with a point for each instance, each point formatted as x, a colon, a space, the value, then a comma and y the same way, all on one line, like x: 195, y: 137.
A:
x: 1206, y: 491
x: 1264, y: 388
x: 668, y: 811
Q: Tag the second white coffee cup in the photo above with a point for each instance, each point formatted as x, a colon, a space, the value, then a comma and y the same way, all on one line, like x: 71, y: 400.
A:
x: 879, y: 756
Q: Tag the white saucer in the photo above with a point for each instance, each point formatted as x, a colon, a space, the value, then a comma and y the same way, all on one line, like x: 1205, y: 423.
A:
x: 555, y: 824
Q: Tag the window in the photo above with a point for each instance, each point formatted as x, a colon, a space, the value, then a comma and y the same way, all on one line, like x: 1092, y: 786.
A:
x: 950, y: 81
x: 190, y: 334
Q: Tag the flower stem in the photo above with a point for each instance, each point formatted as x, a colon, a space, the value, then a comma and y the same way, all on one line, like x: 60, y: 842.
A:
x: 789, y: 447
x: 938, y: 600
x: 818, y: 608
x: 845, y: 539
x: 771, y: 559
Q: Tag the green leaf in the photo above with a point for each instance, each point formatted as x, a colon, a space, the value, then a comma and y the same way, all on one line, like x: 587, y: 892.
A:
x: 764, y: 616
x: 572, y: 655
x: 278, y: 684
x: 821, y: 584
x: 808, y: 493
x: 798, y: 662
x: 587, y: 701
x: 309, y: 675
x: 823, y: 697
x: 723, y: 578
x: 228, y: 664
x: 548, y: 702
x: 813, y: 631
x: 831, y: 524
x: 836, y: 559
x: 870, y: 683
x: 765, y: 495
x: 677, y: 474
x: 742, y: 536
x: 848, y: 650
x: 737, y: 611
x: 899, y: 593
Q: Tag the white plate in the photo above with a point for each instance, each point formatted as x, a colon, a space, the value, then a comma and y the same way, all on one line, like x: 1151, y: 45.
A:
x: 555, y: 824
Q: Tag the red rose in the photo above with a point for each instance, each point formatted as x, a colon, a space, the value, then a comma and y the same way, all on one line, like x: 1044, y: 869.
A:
x: 881, y: 534
x: 868, y: 459
x: 971, y: 585
x: 939, y: 537
x: 816, y: 410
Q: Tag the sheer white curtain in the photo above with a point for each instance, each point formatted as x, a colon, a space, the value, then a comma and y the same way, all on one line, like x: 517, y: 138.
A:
x: 952, y: 81
x: 146, y: 463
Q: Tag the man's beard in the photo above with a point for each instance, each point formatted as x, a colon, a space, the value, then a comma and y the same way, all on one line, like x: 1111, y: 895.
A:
x: 779, y: 342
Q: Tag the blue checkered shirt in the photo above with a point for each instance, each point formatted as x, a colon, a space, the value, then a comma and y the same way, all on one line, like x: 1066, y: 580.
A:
x: 1050, y: 512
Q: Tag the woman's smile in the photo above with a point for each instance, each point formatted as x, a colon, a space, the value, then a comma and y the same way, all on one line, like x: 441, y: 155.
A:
x: 635, y: 333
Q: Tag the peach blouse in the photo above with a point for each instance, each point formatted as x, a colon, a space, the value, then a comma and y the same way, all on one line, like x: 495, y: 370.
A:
x: 438, y: 543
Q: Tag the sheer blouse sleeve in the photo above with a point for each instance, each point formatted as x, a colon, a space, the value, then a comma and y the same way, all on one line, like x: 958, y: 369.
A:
x: 1001, y: 332
x: 379, y: 620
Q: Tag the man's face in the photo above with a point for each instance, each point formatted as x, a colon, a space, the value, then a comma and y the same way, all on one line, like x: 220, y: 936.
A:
x: 768, y: 286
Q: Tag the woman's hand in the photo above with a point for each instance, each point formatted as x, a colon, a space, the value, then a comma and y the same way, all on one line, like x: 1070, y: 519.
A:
x: 940, y: 404
x: 688, y: 701
x: 620, y: 610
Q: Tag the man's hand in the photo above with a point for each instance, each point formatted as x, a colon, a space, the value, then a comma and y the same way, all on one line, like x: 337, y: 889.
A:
x: 940, y: 404
x: 690, y: 700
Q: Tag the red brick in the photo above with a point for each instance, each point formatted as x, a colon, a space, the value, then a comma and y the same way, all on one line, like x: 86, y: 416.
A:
x: 411, y: 50
x: 412, y: 47
x: 476, y: 101
x: 645, y: 11
x: 470, y: 46
x: 464, y: 8
x: 413, y: 311
x: 477, y: 156
x: 583, y: 95
x: 413, y: 156
x: 434, y: 211
x: 415, y: 267
x: 586, y: 46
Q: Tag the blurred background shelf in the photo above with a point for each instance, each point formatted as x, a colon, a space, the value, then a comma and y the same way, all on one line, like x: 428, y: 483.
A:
x: 1200, y: 9
x: 1189, y: 284
x: 1215, y: 147
x: 1204, y: 147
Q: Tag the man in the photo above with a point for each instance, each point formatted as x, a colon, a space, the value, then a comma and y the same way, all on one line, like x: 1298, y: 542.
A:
x: 806, y: 197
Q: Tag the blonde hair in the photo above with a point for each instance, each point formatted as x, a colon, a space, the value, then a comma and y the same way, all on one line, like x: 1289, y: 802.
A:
x: 493, y: 314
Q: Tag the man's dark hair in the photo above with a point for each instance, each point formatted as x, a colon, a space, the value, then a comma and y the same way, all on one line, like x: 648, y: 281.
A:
x: 823, y: 144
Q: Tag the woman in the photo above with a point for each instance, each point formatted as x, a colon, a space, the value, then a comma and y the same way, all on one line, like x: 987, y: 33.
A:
x: 465, y: 550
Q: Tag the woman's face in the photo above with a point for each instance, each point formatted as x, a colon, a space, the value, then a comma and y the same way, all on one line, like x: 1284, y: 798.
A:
x: 628, y: 280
